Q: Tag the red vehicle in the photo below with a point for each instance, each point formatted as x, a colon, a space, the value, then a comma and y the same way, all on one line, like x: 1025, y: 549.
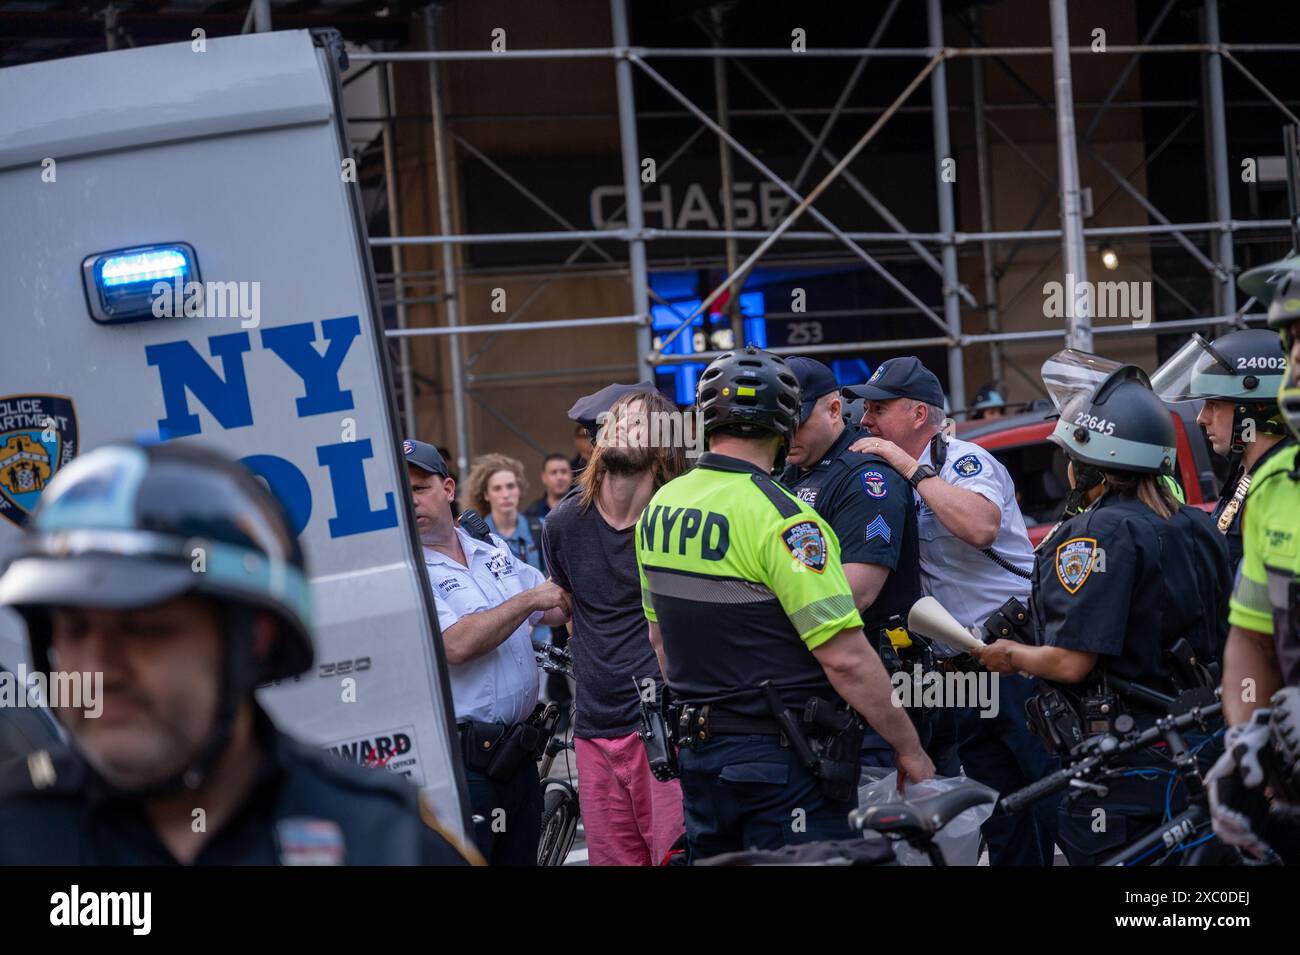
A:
x: 1038, y: 467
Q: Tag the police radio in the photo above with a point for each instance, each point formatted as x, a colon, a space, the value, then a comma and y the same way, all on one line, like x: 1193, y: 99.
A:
x: 475, y: 526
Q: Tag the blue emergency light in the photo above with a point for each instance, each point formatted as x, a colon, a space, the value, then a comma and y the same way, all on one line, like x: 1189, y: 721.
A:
x: 123, y: 285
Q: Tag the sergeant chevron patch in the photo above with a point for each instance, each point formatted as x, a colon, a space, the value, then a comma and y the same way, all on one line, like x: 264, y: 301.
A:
x: 879, y: 528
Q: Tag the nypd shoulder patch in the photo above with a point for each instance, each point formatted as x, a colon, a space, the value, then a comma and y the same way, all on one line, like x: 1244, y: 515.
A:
x: 968, y: 465
x: 879, y: 528
x: 806, y: 544
x: 873, y: 482
x: 1074, y: 562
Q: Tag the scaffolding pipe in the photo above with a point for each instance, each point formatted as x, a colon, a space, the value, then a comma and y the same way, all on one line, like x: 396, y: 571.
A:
x: 1078, y: 320
x: 728, y: 200
x: 1226, y: 293
x: 882, y: 238
x: 896, y: 344
x: 923, y: 52
x: 443, y: 171
x: 551, y: 373
x: 639, y: 273
x: 456, y: 330
x: 262, y: 16
x: 762, y: 112
x: 947, y: 213
x: 400, y: 300
x: 982, y: 162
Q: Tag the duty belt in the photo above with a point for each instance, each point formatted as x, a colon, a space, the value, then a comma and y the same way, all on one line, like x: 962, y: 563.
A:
x: 700, y: 723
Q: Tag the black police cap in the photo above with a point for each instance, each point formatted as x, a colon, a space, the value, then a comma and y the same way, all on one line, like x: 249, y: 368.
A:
x: 815, y: 380
x: 588, y: 409
x: 901, y: 378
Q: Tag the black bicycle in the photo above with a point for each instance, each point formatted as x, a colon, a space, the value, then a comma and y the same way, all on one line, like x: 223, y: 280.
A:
x: 561, y: 810
x: 1095, y: 762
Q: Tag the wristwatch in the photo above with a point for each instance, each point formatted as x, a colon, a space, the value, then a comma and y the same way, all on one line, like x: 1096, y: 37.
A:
x: 921, y: 473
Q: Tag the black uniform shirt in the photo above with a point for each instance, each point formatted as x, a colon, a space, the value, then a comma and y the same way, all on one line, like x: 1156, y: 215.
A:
x: 870, y: 507
x: 1233, y: 534
x: 305, y: 807
x: 1121, y: 582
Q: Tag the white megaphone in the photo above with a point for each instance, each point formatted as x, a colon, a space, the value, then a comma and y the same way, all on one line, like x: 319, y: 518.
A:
x: 930, y: 619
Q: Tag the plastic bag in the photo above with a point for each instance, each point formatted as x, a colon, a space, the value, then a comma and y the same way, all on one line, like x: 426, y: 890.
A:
x: 959, y: 839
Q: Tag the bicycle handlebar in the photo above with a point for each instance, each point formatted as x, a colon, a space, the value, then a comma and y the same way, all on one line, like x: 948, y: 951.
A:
x: 553, y: 659
x: 1086, y: 767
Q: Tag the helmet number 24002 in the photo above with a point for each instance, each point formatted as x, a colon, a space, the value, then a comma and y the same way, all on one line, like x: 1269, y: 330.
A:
x: 1261, y: 361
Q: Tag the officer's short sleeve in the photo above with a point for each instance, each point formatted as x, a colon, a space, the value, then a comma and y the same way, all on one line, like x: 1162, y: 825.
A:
x: 977, y: 471
x: 1083, y: 588
x: 646, y: 606
x: 801, y: 564
x: 871, y: 511
x: 446, y: 616
x: 529, y: 575
x: 1249, y: 607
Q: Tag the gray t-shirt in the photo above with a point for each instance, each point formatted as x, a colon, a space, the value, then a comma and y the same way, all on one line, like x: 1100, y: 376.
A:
x: 610, y: 642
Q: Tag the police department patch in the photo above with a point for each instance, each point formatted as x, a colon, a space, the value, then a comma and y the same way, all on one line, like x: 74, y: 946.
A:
x: 499, y: 565
x: 806, y: 544
x: 807, y: 494
x: 38, y: 435
x: 968, y: 466
x: 408, y: 446
x: 873, y: 482
x: 1074, y: 562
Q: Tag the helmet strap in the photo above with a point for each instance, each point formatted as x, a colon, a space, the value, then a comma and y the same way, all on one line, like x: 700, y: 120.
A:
x: 1238, y: 446
x: 238, y: 680
x: 1086, y: 477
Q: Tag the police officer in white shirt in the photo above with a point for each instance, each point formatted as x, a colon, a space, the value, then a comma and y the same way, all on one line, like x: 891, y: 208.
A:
x: 487, y: 601
x: 975, y: 555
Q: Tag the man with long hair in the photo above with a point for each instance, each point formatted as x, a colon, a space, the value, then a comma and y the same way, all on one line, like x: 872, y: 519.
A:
x: 629, y: 817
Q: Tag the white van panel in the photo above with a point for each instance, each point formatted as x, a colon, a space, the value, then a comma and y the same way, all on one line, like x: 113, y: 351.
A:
x: 260, y: 197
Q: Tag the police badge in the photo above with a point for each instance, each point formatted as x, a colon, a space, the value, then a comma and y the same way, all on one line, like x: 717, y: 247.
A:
x: 1074, y: 562
x: 38, y: 435
x: 806, y: 544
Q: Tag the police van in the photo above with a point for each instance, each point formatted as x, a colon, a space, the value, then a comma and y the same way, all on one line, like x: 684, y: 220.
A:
x: 184, y: 258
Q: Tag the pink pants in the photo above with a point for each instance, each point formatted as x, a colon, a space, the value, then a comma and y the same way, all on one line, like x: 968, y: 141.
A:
x: 629, y: 817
